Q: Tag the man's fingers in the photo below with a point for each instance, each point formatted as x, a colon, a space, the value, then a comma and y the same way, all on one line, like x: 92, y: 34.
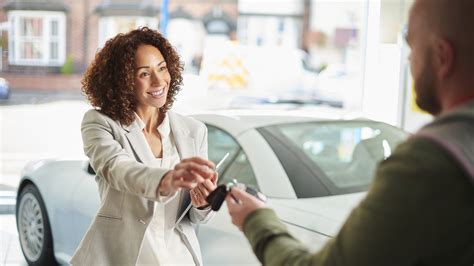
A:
x: 231, y: 201
x: 240, y: 195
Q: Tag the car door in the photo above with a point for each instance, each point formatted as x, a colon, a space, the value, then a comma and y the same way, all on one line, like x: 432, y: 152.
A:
x: 85, y: 200
x: 221, y: 242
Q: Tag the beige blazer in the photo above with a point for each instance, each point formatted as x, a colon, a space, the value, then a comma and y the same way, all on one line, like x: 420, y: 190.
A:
x: 127, y: 187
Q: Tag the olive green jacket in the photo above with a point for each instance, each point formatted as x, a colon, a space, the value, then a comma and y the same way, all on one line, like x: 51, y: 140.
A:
x: 418, y: 211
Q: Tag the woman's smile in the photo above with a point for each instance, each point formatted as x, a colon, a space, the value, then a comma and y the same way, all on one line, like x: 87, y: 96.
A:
x: 157, y: 93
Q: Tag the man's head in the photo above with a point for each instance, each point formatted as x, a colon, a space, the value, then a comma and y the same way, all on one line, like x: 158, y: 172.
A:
x: 441, y: 37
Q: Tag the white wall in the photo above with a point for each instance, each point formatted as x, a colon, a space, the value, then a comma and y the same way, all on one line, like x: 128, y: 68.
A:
x: 381, y: 91
x: 388, y: 90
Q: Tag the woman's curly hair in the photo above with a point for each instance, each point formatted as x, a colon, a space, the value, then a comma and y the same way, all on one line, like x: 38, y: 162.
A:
x: 109, y: 82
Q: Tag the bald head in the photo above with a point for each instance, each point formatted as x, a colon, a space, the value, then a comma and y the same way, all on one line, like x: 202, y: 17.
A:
x: 452, y: 20
x: 441, y: 39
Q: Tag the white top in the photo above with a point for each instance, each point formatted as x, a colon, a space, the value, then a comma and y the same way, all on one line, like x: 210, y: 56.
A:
x: 162, y: 245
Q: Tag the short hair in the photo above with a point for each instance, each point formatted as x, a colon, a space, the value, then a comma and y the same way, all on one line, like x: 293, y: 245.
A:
x: 109, y: 81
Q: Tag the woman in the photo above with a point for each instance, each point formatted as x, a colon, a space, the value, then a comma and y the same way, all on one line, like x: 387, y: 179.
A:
x: 133, y: 140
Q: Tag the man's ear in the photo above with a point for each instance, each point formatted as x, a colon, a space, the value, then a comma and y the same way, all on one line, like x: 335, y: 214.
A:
x: 445, y: 57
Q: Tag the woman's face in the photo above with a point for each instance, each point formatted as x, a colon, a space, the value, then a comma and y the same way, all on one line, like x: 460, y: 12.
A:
x: 152, y: 79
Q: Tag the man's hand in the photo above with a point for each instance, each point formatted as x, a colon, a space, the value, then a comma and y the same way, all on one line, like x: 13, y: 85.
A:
x: 240, y: 205
x: 202, y: 190
x: 186, y: 174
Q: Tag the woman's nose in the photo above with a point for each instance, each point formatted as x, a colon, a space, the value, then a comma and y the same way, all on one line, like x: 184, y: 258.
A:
x: 155, y: 78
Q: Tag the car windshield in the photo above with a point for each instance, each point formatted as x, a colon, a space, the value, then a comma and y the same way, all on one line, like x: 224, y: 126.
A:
x: 331, y: 158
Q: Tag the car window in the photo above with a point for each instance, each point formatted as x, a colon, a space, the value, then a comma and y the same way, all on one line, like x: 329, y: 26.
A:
x: 237, y: 166
x: 241, y: 170
x: 342, y: 154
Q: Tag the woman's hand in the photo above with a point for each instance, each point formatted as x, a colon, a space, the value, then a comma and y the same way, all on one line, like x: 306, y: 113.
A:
x: 186, y: 174
x: 202, y: 190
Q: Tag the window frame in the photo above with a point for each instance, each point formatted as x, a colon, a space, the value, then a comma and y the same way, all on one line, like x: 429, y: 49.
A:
x: 298, y: 166
x: 229, y: 163
x: 46, y: 39
x: 107, y: 25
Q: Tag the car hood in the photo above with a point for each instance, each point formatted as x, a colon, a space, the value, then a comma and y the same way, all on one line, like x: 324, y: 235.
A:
x: 324, y: 215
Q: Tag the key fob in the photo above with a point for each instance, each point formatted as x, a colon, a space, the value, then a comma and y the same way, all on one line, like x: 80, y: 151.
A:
x: 217, y: 197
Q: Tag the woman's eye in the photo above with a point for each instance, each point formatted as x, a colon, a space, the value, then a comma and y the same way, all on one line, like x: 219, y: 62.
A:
x: 163, y: 68
x: 144, y: 74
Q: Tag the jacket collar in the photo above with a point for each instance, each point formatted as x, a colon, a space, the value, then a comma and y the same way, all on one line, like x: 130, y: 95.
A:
x: 164, y: 128
x: 181, y: 133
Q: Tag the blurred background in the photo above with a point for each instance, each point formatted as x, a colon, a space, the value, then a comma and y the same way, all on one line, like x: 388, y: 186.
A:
x: 346, y: 56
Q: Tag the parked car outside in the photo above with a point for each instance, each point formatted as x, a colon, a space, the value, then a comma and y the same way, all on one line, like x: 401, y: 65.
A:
x: 313, y: 169
x: 4, y: 89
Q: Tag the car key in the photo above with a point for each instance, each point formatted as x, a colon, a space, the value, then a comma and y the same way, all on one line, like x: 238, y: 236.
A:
x: 217, y: 197
x: 219, y: 164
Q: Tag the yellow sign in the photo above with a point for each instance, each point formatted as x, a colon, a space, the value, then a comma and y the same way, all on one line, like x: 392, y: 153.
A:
x: 229, y: 71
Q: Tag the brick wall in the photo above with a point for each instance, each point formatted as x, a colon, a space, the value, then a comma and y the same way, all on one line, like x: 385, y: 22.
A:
x: 82, y: 32
x: 44, y: 82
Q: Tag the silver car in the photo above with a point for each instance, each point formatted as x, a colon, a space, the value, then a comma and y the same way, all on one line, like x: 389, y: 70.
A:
x: 313, y: 170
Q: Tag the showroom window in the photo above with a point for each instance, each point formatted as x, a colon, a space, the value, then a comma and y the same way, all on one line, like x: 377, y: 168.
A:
x: 37, y: 38
x: 109, y: 26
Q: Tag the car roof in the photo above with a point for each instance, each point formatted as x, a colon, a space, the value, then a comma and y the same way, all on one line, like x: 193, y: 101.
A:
x: 240, y: 120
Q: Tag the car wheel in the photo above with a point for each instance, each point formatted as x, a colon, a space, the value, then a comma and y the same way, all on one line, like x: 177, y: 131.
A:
x: 33, y: 228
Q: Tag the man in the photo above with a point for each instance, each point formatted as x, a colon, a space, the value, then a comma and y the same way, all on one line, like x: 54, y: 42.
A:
x: 420, y: 208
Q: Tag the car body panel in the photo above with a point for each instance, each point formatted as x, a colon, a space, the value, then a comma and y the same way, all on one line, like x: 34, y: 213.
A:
x: 57, y: 191
x: 85, y: 204
x: 237, y: 121
x: 256, y: 148
x: 323, y: 214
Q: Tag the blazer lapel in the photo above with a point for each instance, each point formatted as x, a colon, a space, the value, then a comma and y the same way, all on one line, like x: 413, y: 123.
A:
x: 185, y: 145
x: 138, y: 143
x: 183, y: 139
